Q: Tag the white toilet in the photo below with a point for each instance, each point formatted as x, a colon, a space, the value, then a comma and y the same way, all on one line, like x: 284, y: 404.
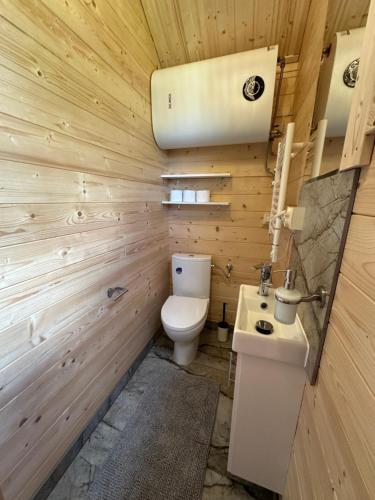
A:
x: 185, y: 312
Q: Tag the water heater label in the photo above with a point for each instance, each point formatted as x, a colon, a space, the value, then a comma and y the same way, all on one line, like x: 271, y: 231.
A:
x: 253, y: 88
x: 351, y: 73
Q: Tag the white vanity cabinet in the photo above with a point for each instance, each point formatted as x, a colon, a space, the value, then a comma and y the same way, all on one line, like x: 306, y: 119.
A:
x: 269, y: 384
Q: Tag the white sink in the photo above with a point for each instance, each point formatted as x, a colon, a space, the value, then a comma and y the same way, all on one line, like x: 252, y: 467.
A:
x: 287, y: 343
x: 268, y: 388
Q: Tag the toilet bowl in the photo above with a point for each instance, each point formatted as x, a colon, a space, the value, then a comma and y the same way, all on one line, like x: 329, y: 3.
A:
x: 183, y: 320
x: 185, y: 312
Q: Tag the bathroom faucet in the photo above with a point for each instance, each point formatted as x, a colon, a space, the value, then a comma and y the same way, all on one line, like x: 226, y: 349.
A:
x: 265, y: 278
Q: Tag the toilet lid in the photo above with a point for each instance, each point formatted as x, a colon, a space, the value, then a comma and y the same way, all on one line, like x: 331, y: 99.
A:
x: 183, y: 313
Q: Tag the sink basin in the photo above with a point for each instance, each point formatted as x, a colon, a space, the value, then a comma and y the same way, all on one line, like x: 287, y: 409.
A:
x: 286, y: 343
x: 268, y: 389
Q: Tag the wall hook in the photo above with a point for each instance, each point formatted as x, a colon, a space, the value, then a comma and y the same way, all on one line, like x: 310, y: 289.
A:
x: 118, y: 290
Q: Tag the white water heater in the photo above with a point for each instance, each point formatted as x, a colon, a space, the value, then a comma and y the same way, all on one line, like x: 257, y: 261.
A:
x: 337, y: 80
x: 225, y: 100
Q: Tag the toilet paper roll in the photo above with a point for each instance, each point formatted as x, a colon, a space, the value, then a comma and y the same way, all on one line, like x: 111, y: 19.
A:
x: 175, y: 195
x: 203, y: 196
x: 188, y: 196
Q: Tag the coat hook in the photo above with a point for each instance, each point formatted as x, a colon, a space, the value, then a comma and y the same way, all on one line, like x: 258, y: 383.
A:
x: 118, y: 289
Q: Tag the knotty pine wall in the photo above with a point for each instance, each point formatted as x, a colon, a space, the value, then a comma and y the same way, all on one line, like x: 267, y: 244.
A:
x: 80, y: 212
x: 236, y: 232
x: 331, y: 154
x: 334, y: 448
x: 305, y: 93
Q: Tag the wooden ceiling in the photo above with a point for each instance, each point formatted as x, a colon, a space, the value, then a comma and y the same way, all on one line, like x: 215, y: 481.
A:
x: 344, y: 15
x: 192, y: 30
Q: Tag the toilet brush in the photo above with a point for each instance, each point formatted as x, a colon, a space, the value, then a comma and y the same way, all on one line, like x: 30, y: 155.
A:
x: 222, y: 328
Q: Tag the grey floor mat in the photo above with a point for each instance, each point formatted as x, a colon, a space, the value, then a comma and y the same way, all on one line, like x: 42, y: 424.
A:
x: 162, y: 452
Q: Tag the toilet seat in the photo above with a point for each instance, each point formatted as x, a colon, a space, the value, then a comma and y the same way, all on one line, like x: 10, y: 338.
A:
x: 184, y: 313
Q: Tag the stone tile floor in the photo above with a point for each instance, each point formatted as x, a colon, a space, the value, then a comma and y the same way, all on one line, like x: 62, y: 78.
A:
x: 212, y: 361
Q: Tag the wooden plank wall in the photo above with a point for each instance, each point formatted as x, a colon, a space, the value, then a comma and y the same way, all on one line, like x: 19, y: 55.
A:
x: 331, y: 154
x: 306, y: 86
x: 324, y: 19
x: 236, y: 232
x: 359, y: 137
x: 303, y: 108
x: 334, y: 449
x: 80, y: 212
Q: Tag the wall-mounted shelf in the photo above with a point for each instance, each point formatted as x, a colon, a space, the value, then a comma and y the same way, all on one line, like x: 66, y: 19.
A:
x: 210, y: 203
x: 207, y: 175
x: 195, y: 176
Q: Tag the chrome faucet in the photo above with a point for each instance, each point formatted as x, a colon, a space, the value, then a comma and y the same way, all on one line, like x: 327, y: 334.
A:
x: 265, y: 278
